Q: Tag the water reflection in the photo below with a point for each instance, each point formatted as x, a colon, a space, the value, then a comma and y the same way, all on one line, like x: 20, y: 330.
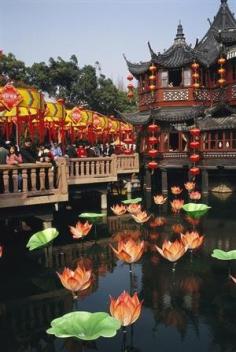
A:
x: 191, y: 308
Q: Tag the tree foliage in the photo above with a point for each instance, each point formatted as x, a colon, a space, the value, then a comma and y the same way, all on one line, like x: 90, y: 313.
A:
x: 85, y: 86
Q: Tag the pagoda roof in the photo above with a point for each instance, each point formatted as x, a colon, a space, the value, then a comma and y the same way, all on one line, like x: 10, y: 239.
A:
x: 178, y: 55
x: 217, y: 123
x: 209, y: 49
x: 167, y: 114
x: 137, y: 68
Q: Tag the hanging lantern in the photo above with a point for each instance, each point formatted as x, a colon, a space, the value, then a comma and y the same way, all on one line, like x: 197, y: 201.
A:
x: 152, y: 165
x: 221, y: 71
x: 195, y: 132
x: 194, y: 158
x: 152, y: 140
x: 153, y: 128
x: 194, y: 171
x: 130, y: 87
x: 195, y: 75
x: 152, y: 78
x: 194, y: 144
x: 153, y: 153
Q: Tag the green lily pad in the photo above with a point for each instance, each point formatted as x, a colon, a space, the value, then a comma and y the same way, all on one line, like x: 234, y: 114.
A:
x: 222, y: 255
x: 84, y: 325
x: 92, y: 217
x: 195, y: 210
x: 132, y: 201
x: 42, y: 238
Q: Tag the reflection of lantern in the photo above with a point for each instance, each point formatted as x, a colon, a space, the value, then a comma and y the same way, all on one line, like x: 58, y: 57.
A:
x: 194, y: 158
x: 221, y: 71
x: 152, y: 165
x: 194, y: 171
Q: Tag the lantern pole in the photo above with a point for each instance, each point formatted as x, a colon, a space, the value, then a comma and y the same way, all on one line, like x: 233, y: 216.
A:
x: 17, y: 127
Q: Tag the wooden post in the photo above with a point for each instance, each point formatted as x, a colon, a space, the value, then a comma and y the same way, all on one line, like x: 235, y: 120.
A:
x: 147, y: 180
x: 205, y: 181
x: 164, y: 181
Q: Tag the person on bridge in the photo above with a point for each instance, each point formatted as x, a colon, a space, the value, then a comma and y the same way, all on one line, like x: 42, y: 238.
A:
x: 28, y: 153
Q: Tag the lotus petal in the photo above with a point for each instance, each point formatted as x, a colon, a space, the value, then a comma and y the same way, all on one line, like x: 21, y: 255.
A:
x: 42, y: 238
x: 84, y: 325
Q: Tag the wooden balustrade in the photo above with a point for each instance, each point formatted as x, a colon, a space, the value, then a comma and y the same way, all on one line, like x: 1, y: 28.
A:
x: 30, y: 184
x: 127, y: 163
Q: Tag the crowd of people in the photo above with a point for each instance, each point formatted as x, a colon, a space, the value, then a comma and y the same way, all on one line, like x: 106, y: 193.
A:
x: 12, y: 154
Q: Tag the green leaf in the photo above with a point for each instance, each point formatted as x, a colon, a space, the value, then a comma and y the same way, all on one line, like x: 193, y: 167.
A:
x: 42, y: 238
x: 84, y: 325
x: 93, y: 217
x: 132, y: 201
x: 195, y: 210
x: 222, y: 255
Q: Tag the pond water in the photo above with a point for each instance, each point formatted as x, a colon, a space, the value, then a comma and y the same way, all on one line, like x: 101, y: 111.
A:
x: 190, y: 309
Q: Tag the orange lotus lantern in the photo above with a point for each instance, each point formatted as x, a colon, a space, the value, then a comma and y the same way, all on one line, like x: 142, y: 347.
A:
x: 159, y: 199
x: 192, y: 239
x: 172, y: 251
x: 195, y: 195
x: 189, y: 186
x: 77, y: 280
x: 176, y: 190
x: 141, y: 217
x: 119, y: 209
x: 126, y: 308
x: 80, y: 230
x: 177, y: 205
x: 129, y: 251
x: 134, y: 208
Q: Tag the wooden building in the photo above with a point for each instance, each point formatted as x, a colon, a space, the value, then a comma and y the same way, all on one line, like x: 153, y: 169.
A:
x: 178, y: 95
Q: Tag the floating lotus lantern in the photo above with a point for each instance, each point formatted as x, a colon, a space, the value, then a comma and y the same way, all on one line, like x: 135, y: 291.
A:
x: 80, y: 230
x: 177, y: 205
x: 134, y: 208
x: 176, y: 190
x: 126, y: 309
x: 159, y: 199
x: 192, y: 239
x: 195, y: 195
x: 129, y: 251
x: 158, y: 221
x: 190, y: 186
x: 119, y: 209
x: 172, y: 251
x: 77, y: 280
x: 141, y: 217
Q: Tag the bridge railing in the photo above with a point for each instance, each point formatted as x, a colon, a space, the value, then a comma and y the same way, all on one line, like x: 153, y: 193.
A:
x: 91, y: 170
x: 127, y: 163
x: 30, y: 183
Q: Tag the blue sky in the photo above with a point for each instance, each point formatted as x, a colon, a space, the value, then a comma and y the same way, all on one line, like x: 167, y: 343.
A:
x: 100, y: 30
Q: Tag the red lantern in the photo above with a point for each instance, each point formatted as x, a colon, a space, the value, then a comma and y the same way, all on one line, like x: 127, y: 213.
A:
x: 196, y: 75
x: 128, y: 140
x: 152, y: 165
x: 152, y: 87
x: 153, y: 128
x: 152, y: 78
x: 195, y: 66
x: 130, y: 77
x: 130, y: 94
x: 221, y: 81
x: 221, y: 61
x: 194, y: 144
x: 153, y: 153
x: 221, y: 71
x: 130, y: 86
x: 194, y: 158
x: 195, y: 132
x: 152, y: 68
x: 196, y: 85
x: 194, y: 171
x: 152, y: 140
